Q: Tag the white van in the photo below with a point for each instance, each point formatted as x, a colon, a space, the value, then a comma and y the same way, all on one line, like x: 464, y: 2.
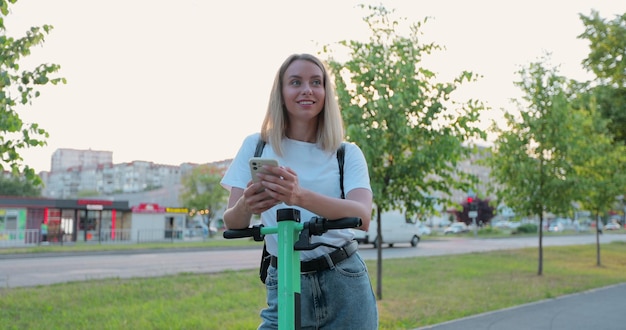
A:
x: 396, y: 228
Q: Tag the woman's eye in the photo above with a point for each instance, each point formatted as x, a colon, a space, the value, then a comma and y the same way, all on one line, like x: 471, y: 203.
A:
x: 295, y: 83
x: 317, y: 83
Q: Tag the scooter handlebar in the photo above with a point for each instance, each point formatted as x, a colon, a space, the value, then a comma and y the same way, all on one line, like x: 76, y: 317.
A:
x: 254, y: 231
x: 238, y: 233
x: 318, y: 225
x: 343, y: 223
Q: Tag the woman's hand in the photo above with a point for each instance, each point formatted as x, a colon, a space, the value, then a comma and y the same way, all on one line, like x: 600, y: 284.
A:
x: 281, y: 185
x: 257, y: 199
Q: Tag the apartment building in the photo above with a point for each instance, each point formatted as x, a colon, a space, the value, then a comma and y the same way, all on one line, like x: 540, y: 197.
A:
x: 65, y: 158
x: 74, y: 172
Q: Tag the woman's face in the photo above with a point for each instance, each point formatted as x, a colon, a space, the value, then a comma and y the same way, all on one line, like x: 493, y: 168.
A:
x: 303, y: 90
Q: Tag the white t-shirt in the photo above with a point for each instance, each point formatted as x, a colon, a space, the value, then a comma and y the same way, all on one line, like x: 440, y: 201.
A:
x: 317, y: 171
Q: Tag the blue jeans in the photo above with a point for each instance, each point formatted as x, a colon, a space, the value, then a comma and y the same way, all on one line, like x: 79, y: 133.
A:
x: 337, y: 298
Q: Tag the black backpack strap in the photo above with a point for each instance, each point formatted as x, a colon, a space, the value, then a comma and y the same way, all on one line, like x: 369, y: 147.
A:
x: 259, y: 148
x: 340, y: 159
x: 265, y: 256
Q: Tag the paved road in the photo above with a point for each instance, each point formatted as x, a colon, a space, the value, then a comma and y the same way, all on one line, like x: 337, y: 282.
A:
x: 48, y: 269
x: 598, y: 309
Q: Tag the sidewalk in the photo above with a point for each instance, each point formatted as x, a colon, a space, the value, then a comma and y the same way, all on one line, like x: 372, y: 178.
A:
x: 598, y: 309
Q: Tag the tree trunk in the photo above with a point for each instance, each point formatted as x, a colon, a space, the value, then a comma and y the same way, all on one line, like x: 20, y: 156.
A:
x: 379, y: 249
x: 598, y: 232
x: 540, y: 268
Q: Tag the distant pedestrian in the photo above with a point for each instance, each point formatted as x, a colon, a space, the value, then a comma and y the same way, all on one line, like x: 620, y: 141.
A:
x: 44, y: 232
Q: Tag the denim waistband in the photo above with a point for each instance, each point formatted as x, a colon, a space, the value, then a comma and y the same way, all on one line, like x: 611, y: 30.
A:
x: 322, y: 263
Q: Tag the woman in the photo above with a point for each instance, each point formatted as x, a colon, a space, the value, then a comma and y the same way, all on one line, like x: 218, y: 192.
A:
x: 302, y: 130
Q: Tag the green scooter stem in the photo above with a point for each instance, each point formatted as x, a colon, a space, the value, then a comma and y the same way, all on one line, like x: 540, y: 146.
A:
x: 288, y: 265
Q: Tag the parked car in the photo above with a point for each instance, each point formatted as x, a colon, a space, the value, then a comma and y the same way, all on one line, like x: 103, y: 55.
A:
x: 612, y: 226
x: 555, y: 227
x: 500, y: 224
x: 423, y: 229
x: 456, y: 228
x: 505, y: 224
x: 396, y: 228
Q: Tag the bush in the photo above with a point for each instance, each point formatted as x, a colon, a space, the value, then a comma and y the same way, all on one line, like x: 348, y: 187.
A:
x: 525, y: 229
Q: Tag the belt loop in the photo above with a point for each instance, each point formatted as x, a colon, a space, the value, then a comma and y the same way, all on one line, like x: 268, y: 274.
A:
x: 348, y: 248
x: 329, y: 260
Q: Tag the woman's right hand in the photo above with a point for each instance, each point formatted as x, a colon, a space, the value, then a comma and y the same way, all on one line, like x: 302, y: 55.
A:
x: 256, y: 200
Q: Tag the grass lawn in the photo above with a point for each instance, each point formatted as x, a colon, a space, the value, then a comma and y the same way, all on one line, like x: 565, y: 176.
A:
x: 416, y: 292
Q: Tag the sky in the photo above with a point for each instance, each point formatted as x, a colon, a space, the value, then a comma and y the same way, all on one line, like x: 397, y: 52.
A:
x: 185, y: 81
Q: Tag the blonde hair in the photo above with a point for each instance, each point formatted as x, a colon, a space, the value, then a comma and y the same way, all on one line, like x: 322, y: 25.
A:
x: 329, y: 126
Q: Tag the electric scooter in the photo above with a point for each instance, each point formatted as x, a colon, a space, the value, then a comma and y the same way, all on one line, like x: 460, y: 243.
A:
x: 288, y: 229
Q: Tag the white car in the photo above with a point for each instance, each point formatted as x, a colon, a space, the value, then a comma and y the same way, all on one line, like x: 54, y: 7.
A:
x: 423, y: 229
x: 555, y: 227
x: 456, y: 228
x: 396, y: 228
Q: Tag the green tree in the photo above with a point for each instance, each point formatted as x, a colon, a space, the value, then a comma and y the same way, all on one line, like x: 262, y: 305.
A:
x: 600, y: 166
x: 607, y: 46
x: 410, y: 129
x: 484, y: 210
x: 201, y: 190
x: 17, y: 185
x: 19, y: 88
x: 531, y: 160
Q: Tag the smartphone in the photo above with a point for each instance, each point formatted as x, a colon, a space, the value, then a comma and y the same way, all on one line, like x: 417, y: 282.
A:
x: 256, y: 166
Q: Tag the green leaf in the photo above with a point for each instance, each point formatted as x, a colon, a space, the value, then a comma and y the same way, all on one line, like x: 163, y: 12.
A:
x: 15, y: 136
